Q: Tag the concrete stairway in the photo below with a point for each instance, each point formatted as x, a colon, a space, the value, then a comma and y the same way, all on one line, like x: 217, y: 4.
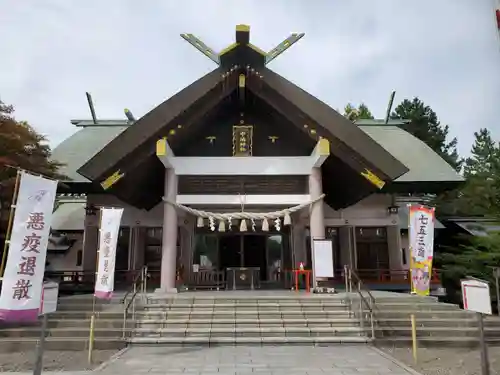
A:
x: 69, y: 327
x: 245, y: 318
x: 437, y: 323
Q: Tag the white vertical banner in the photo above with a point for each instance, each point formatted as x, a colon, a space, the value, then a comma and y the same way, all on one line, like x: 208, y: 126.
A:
x: 108, y: 238
x: 22, y: 283
x: 421, y: 235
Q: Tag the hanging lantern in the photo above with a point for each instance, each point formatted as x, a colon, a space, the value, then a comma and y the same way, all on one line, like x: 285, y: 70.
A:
x: 288, y: 219
x: 243, y: 225
x: 199, y: 222
x: 265, y: 225
x: 222, y: 226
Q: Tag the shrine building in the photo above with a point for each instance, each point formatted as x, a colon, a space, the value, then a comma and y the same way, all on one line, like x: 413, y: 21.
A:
x: 243, y: 139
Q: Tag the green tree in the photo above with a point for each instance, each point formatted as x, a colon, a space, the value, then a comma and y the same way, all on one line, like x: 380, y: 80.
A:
x: 425, y: 125
x: 20, y: 147
x: 360, y: 113
x: 475, y: 257
x: 480, y: 196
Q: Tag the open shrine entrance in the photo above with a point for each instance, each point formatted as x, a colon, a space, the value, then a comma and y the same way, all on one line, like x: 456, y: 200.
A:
x: 261, y: 256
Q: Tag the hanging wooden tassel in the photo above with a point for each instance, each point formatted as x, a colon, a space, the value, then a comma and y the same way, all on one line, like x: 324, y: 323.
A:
x: 222, y: 226
x: 200, y: 222
x: 288, y: 219
x: 243, y: 225
x: 265, y: 225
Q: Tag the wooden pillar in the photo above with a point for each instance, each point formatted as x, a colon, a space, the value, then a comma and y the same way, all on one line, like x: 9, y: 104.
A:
x: 317, y: 215
x: 169, y: 235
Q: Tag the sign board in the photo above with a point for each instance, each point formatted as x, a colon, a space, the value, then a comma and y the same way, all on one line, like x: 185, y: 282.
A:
x: 476, y: 296
x: 323, y: 258
x: 50, y: 295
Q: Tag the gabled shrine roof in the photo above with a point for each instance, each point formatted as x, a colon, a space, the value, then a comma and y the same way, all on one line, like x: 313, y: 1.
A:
x: 80, y: 147
x: 360, y: 162
x: 423, y: 163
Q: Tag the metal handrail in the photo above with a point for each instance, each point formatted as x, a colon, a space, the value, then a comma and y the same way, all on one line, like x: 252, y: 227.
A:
x: 142, y: 277
x: 370, y: 304
x: 348, y: 274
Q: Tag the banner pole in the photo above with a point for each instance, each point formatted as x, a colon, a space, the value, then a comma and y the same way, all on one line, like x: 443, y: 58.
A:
x: 92, y: 317
x: 10, y: 223
x: 414, y: 338
x: 40, y: 347
x: 410, y: 250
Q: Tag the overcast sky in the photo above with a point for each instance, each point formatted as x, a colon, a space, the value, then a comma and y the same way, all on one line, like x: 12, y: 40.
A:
x: 129, y: 54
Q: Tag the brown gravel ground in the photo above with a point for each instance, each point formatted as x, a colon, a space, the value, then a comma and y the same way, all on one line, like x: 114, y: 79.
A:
x: 446, y: 361
x: 54, y: 360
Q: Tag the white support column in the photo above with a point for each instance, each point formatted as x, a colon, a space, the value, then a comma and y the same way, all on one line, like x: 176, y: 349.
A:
x: 317, y: 216
x: 169, y: 236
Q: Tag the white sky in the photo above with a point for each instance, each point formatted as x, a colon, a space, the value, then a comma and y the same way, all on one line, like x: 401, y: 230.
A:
x: 129, y: 54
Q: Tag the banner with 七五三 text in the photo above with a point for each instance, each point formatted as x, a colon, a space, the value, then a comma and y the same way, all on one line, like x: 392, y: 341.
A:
x: 22, y: 283
x: 421, y: 237
x: 108, y: 238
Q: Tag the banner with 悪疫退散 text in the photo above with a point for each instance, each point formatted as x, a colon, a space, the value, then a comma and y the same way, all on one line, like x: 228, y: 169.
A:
x: 421, y: 237
x: 22, y: 283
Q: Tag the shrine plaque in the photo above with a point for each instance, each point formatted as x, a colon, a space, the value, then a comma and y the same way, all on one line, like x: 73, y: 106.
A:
x: 242, y: 140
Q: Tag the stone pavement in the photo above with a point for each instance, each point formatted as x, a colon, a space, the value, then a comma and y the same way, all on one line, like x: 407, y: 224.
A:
x: 263, y: 360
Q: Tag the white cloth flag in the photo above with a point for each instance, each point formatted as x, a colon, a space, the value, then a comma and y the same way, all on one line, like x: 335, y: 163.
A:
x: 421, y: 233
x: 22, y: 283
x: 108, y: 238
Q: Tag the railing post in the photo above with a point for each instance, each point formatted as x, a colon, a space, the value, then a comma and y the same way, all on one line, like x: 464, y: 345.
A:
x: 133, y: 301
x: 350, y: 280
x: 347, y: 292
x: 361, y: 315
x: 372, y: 323
x: 124, y: 322
x: 346, y: 279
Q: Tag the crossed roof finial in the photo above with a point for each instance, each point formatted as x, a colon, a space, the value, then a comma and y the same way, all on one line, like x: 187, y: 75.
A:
x: 242, y: 40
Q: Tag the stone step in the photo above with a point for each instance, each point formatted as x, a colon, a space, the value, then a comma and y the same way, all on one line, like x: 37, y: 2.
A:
x: 73, y: 332
x: 244, y: 300
x: 248, y: 340
x: 248, y: 322
x: 441, y: 331
x: 415, y: 306
x: 248, y: 332
x: 58, y: 343
x: 250, y: 313
x: 99, y: 323
x: 440, y: 322
x: 248, y: 306
x: 440, y: 314
x: 73, y: 315
x: 438, y: 341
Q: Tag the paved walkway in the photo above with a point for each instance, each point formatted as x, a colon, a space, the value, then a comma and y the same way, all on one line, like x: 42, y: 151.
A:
x: 266, y: 360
